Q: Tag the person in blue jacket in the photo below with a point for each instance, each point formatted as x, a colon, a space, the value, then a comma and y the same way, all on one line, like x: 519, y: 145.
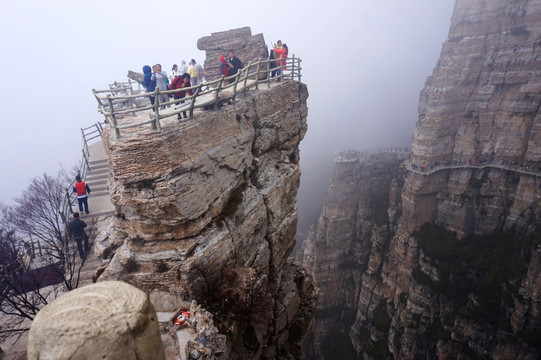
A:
x: 148, y: 83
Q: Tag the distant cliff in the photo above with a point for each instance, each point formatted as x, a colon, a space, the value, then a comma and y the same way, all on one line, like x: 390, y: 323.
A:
x: 453, y: 270
x: 205, y: 210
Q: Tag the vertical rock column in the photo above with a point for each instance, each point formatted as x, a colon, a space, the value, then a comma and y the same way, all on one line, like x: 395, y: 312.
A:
x: 109, y: 320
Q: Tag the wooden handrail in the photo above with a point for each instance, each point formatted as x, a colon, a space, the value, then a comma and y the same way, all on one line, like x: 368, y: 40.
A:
x: 254, y: 70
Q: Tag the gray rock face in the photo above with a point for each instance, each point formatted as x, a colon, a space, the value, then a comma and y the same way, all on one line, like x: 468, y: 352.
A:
x: 109, y: 320
x: 339, y: 247
x: 481, y: 102
x: 483, y: 97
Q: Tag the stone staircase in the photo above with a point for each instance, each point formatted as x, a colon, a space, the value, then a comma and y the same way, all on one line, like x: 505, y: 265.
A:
x: 99, y: 205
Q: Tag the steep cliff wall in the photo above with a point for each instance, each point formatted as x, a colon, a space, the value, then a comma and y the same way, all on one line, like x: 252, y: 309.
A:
x: 205, y: 210
x: 337, y: 250
x: 454, y: 272
x: 481, y: 103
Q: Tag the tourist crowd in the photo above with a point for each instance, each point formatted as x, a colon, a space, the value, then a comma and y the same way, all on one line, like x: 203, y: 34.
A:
x: 192, y: 74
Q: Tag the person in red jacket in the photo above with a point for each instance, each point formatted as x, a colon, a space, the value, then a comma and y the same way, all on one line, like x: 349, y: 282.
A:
x: 82, y: 189
x: 281, y: 54
x: 179, y: 83
x: 224, y: 69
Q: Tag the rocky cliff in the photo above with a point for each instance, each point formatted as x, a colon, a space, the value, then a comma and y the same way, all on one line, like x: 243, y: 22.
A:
x: 453, y: 272
x: 247, y: 47
x: 205, y: 210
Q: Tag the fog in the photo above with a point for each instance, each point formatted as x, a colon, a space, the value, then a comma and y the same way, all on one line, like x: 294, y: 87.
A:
x: 364, y: 62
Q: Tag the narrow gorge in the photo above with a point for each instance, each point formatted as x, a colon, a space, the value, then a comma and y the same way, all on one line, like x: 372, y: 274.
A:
x: 439, y: 256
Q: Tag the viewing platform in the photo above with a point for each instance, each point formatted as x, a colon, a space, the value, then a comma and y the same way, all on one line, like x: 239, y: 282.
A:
x: 125, y: 108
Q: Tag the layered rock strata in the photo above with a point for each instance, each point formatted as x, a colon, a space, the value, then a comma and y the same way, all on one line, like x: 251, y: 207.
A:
x: 205, y: 210
x: 247, y: 47
x: 466, y: 284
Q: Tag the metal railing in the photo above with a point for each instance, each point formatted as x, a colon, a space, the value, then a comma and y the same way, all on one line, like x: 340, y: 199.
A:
x: 207, y: 94
x: 527, y: 169
x: 89, y: 133
x: 119, y: 88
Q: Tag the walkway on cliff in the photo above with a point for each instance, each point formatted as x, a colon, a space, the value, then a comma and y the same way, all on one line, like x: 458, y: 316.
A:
x: 99, y: 204
x: 351, y: 156
x: 428, y: 170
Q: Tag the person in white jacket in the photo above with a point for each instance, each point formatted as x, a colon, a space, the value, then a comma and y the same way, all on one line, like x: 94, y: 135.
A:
x: 174, y: 73
x: 161, y: 81
x: 183, y: 69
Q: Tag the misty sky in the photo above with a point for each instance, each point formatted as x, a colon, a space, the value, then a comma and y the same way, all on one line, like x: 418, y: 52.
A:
x: 364, y: 62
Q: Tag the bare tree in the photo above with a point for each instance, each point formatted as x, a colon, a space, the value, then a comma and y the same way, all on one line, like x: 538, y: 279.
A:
x: 39, y: 212
x: 29, y: 281
x: 20, y: 298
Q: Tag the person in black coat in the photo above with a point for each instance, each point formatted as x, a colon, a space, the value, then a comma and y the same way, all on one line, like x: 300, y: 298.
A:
x: 272, y: 63
x: 234, y: 63
x: 77, y: 230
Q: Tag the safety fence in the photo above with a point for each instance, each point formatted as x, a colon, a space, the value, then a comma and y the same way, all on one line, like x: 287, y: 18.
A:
x: 205, y: 95
x: 118, y: 89
x: 88, y: 134
x: 474, y: 164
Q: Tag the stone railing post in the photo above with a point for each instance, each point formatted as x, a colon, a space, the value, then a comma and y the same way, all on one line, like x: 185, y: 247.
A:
x: 108, y: 320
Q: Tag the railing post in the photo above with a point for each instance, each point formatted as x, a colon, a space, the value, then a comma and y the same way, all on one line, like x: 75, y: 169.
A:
x: 85, y: 145
x: 237, y: 76
x: 197, y: 91
x: 268, y: 73
x: 100, y: 104
x: 246, y: 76
x: 113, y: 118
x: 68, y: 200
x: 282, y: 69
x: 86, y: 162
x: 156, y: 125
x: 293, y: 67
x: 299, y: 70
x: 257, y: 74
x: 220, y: 84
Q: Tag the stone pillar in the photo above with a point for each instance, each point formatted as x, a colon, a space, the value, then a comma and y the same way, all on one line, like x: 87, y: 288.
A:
x: 108, y: 320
